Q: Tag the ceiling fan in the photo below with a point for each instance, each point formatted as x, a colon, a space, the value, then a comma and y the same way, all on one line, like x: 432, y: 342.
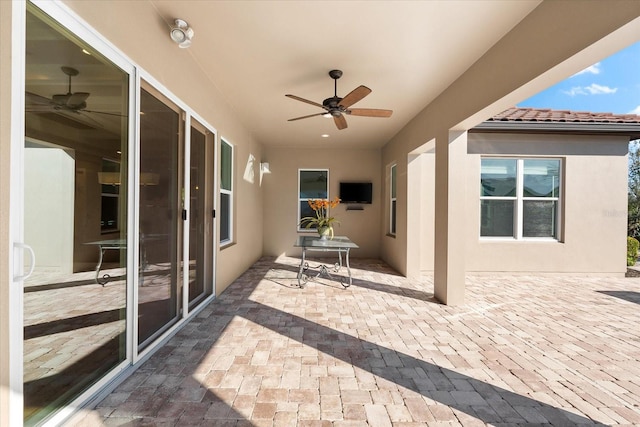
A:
x: 337, y: 107
x: 70, y: 102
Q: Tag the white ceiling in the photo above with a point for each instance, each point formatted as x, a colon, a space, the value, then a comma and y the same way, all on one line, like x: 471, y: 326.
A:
x: 407, y: 52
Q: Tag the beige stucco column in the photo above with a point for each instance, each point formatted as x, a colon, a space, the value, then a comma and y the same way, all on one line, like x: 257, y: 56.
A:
x: 450, y: 217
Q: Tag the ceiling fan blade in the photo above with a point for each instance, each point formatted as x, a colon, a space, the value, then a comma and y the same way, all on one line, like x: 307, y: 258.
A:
x: 35, y: 99
x: 104, y: 112
x: 297, y: 98
x: 77, y: 99
x: 354, y: 96
x: 369, y: 112
x: 341, y: 122
x: 306, y: 117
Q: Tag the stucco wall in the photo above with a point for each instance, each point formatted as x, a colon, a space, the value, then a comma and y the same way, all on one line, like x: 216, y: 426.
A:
x: 280, y: 192
x: 594, y: 206
x: 503, y: 77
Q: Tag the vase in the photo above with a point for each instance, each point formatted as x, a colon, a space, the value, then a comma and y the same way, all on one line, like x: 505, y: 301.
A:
x: 325, y: 233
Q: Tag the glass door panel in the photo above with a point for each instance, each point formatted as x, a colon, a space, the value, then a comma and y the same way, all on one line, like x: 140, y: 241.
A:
x: 161, y: 209
x: 200, y: 213
x: 75, y: 302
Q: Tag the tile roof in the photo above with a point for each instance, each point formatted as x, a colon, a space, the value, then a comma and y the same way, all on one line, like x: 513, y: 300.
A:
x: 516, y: 114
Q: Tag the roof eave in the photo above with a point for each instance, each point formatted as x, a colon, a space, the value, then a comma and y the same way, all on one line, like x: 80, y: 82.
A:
x: 629, y: 129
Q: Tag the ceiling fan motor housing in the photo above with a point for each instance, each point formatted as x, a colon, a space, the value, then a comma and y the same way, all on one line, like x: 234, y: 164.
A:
x: 337, y: 107
x: 332, y: 103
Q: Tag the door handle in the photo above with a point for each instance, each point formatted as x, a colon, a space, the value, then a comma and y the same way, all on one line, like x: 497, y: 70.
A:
x: 32, y: 254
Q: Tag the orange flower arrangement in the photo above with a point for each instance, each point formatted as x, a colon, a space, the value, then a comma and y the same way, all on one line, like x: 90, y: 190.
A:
x: 322, y: 220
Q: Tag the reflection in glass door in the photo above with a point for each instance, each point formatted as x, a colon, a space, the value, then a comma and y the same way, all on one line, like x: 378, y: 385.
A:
x: 200, y: 213
x: 75, y: 178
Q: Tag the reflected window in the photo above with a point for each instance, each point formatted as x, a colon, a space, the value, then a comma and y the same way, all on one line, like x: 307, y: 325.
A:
x: 109, y: 180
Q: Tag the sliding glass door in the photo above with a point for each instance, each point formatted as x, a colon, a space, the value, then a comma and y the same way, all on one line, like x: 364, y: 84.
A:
x: 93, y: 302
x: 75, y: 216
x: 161, y: 215
x: 200, y: 212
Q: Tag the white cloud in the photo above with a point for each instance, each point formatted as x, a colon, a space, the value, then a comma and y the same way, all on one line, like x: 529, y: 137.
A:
x: 596, y: 89
x: 594, y: 69
x: 577, y: 90
x: 593, y: 89
x: 635, y: 110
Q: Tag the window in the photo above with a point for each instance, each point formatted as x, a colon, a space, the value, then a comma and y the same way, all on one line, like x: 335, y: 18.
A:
x: 109, y: 180
x: 226, y: 191
x: 312, y: 184
x: 519, y: 198
x: 392, y: 200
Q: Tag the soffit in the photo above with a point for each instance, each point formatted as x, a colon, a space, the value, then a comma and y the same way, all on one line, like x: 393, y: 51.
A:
x: 407, y: 52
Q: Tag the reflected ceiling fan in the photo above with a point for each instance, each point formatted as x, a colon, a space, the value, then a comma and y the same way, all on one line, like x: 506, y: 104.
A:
x: 74, y: 102
x: 337, y: 107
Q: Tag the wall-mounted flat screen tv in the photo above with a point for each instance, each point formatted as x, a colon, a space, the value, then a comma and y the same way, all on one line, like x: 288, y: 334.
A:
x: 355, y: 192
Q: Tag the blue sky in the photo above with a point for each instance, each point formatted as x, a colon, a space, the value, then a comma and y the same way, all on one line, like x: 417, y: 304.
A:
x: 611, y: 85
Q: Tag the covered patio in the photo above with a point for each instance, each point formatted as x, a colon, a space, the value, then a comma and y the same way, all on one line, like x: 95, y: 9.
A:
x: 524, y: 350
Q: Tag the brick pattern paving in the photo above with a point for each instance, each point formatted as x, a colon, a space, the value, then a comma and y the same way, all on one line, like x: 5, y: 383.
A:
x: 523, y: 351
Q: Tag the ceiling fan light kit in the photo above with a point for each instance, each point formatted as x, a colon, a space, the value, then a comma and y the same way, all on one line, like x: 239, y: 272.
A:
x: 337, y: 107
x: 181, y: 33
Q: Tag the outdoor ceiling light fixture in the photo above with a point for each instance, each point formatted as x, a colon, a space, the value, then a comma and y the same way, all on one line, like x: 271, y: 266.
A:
x: 181, y: 33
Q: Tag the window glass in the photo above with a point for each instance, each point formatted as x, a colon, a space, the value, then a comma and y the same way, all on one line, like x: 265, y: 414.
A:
x: 226, y: 159
x: 76, y: 116
x: 498, y: 177
x: 539, y: 218
x: 393, y: 216
x: 313, y: 184
x: 226, y: 191
x: 225, y: 205
x: 393, y: 181
x: 541, y: 178
x: 161, y: 133
x: 497, y: 218
x: 393, y: 201
x: 520, y: 198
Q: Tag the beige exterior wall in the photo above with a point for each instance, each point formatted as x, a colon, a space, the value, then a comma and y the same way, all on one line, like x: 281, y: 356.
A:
x: 593, y: 203
x: 175, y: 69
x: 504, y: 76
x: 281, y: 197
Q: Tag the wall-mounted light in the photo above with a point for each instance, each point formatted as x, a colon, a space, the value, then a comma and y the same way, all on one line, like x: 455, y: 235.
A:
x: 181, y: 33
x: 264, y: 167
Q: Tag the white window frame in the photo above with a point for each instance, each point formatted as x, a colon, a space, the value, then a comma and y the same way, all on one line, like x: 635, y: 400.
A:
x: 393, y: 199
x: 519, y: 198
x: 299, y: 199
x: 229, y: 192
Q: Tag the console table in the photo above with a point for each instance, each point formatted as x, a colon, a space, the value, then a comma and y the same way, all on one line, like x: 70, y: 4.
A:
x: 339, y: 244
x: 103, y: 246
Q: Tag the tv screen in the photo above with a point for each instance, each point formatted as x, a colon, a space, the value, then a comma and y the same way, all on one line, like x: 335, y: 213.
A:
x: 355, y: 192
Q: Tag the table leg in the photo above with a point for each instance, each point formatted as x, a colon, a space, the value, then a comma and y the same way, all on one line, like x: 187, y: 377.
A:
x: 348, y: 268
x: 99, y: 266
x: 302, y: 261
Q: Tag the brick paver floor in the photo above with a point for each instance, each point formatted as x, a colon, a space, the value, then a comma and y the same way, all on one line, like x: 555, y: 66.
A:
x: 523, y: 350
